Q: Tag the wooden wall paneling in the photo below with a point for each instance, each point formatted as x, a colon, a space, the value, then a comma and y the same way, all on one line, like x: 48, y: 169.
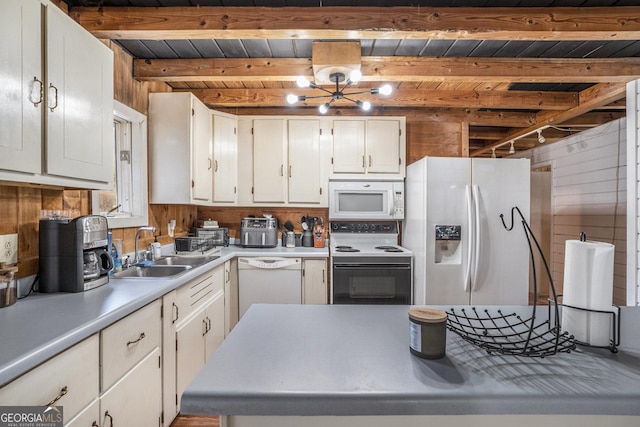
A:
x: 28, y: 218
x: 433, y: 139
x: 8, y: 209
x: 123, y: 72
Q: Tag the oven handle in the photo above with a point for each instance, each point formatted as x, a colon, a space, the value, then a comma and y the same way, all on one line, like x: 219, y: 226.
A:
x: 368, y: 266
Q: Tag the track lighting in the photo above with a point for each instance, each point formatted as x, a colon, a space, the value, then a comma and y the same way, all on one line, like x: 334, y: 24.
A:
x: 338, y: 93
x: 493, y: 153
x: 541, y: 139
x: 512, y: 149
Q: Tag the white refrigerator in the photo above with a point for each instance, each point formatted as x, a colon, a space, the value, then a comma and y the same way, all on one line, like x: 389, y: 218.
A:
x: 462, y: 252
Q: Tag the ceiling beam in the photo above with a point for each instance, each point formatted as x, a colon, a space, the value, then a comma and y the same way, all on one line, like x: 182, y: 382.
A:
x: 400, y: 98
x: 379, y: 68
x: 464, y: 23
x: 590, y: 99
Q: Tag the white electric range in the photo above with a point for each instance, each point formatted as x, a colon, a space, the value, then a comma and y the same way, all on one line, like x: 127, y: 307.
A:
x: 367, y: 264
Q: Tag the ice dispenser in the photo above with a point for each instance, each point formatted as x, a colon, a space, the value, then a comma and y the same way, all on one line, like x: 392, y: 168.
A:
x: 448, y: 248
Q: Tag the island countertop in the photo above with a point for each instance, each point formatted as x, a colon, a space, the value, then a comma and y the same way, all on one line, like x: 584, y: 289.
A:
x: 289, y: 360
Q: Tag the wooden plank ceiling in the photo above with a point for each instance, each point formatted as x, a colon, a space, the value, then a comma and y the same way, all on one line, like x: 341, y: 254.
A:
x: 507, y: 71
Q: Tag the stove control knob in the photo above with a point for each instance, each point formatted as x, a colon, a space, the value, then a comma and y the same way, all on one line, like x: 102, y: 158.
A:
x: 366, y: 227
x: 335, y: 226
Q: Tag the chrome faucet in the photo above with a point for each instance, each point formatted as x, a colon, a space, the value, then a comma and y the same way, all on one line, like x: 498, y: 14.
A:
x: 136, y: 256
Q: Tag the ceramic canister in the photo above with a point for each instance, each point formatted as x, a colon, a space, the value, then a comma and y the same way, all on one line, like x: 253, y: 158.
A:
x: 428, y: 332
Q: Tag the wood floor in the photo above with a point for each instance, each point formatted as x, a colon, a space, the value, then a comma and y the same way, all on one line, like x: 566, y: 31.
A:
x: 196, y: 421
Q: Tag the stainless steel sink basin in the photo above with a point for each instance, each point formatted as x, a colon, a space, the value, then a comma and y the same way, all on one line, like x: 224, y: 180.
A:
x: 192, y: 261
x: 151, y: 272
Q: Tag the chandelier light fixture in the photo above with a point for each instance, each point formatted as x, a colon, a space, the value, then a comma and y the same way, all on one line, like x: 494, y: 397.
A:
x: 339, y: 92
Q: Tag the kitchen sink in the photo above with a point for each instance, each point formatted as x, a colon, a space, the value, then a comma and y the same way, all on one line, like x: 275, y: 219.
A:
x: 177, y: 260
x: 154, y: 271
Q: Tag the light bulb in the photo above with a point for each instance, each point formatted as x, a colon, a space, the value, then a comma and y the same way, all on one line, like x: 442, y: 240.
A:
x: 385, y: 89
x: 541, y: 139
x: 292, y: 99
x: 324, y: 108
x: 512, y: 149
x: 302, y: 81
x: 365, y: 105
x: 355, y: 76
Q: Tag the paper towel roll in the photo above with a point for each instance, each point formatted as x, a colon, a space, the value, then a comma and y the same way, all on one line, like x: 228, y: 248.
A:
x: 588, y: 283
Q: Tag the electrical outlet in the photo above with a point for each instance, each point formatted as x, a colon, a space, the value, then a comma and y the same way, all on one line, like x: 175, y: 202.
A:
x: 9, y: 248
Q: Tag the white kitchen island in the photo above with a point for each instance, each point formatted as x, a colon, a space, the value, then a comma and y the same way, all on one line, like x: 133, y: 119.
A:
x: 337, y: 365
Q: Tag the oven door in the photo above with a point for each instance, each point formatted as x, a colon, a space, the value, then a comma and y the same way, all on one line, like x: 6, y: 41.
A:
x: 385, y: 281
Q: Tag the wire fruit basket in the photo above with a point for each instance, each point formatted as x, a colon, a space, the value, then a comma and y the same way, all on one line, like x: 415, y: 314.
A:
x: 510, y: 333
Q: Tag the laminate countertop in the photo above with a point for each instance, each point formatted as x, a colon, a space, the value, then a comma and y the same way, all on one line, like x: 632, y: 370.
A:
x: 345, y: 360
x: 42, y: 325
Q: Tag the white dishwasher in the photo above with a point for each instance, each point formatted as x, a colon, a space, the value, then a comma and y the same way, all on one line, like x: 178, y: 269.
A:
x: 271, y: 280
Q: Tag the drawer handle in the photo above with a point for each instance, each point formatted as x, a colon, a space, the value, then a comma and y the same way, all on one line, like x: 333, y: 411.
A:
x: 135, y: 341
x: 108, y: 415
x: 63, y: 391
x: 175, y: 319
x: 204, y: 323
x: 33, y: 96
x: 95, y: 424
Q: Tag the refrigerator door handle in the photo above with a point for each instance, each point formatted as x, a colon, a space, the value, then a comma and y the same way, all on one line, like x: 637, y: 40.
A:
x: 477, y: 236
x: 467, y: 271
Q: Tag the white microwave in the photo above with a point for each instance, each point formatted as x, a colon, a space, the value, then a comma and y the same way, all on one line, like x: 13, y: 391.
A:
x: 371, y: 200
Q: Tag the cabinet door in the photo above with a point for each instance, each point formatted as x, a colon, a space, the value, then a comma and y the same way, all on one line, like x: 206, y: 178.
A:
x: 269, y: 151
x: 383, y: 146
x: 304, y: 161
x: 202, y: 166
x: 169, y: 321
x: 189, y: 350
x: 348, y: 146
x: 135, y: 400
x: 230, y: 295
x: 214, y: 317
x: 88, y: 417
x: 22, y: 83
x: 79, y: 141
x: 225, y: 159
x: 315, y: 281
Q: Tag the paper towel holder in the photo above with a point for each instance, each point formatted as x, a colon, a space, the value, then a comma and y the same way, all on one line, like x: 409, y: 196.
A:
x: 583, y: 236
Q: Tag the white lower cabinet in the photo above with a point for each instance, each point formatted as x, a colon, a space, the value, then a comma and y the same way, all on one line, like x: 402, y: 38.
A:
x: 88, y: 417
x: 192, y: 331
x: 135, y: 399
x: 132, y: 369
x: 314, y: 281
x: 230, y: 295
x: 69, y: 379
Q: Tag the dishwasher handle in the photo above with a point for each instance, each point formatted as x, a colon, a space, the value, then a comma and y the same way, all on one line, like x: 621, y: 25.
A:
x: 269, y: 263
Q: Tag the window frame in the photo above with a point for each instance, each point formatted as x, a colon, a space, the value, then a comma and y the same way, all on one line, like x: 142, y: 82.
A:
x: 139, y: 185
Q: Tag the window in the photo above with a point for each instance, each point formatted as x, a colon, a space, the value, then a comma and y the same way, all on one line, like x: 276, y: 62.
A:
x: 126, y: 204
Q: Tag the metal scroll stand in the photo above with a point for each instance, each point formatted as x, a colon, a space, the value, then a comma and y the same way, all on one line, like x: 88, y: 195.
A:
x: 510, y: 334
x: 615, y: 317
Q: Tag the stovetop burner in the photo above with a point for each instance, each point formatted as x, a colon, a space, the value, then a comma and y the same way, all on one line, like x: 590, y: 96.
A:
x: 389, y: 248
x: 343, y: 248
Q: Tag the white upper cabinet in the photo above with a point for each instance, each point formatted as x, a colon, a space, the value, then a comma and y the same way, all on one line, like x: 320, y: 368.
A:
x: 373, y: 146
x: 76, y: 149
x: 225, y: 158
x: 180, y: 150
x: 304, y: 161
x: 348, y: 146
x: 269, y: 160
x: 383, y: 146
x: 22, y: 75
x: 79, y: 89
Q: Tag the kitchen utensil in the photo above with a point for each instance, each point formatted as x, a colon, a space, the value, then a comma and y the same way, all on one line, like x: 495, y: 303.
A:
x: 288, y: 225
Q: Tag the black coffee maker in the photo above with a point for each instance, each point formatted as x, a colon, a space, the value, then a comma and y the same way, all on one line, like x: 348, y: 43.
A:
x: 74, y: 254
